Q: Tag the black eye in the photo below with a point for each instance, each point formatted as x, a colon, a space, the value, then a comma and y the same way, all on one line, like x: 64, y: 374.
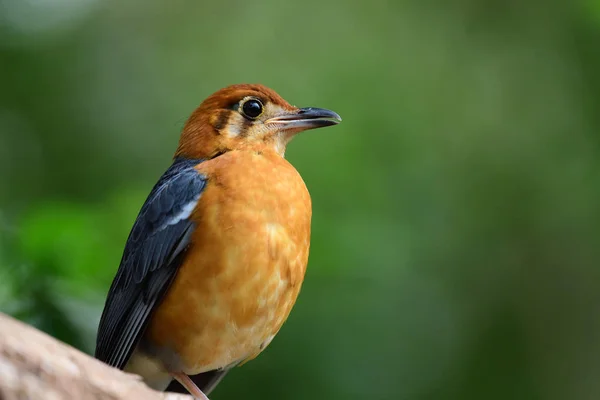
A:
x: 252, y: 108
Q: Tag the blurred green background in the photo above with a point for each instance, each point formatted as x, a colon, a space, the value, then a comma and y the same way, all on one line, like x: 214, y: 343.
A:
x: 456, y: 228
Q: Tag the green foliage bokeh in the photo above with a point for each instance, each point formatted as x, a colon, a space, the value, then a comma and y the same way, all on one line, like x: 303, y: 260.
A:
x: 456, y: 225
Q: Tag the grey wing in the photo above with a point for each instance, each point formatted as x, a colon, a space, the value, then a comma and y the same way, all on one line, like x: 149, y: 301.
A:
x: 153, y: 253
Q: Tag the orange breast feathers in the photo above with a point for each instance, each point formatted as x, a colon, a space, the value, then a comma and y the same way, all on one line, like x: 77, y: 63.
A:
x: 245, y: 265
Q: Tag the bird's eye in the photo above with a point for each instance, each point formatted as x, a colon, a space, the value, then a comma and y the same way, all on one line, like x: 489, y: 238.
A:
x: 252, y: 108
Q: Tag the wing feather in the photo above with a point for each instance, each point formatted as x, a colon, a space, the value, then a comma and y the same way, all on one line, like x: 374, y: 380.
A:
x: 153, y: 253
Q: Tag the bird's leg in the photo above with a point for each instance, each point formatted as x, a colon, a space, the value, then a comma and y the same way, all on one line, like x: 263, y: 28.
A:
x: 190, y: 386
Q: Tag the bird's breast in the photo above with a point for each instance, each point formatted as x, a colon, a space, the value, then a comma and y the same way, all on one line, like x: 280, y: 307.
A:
x: 245, y: 265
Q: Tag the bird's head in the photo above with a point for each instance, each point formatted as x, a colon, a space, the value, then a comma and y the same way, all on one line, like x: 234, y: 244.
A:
x: 247, y: 116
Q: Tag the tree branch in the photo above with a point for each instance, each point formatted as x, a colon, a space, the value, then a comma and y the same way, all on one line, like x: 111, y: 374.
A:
x: 34, y: 366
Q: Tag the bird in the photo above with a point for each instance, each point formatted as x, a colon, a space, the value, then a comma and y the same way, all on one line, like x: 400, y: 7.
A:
x: 218, y: 252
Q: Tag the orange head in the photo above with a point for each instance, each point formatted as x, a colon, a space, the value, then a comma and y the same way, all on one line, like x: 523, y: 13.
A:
x: 247, y: 116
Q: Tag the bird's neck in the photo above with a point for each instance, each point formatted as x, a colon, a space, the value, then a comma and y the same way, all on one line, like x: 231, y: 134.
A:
x: 198, y: 150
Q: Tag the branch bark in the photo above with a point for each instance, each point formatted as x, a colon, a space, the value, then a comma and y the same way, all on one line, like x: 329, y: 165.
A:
x: 35, y: 366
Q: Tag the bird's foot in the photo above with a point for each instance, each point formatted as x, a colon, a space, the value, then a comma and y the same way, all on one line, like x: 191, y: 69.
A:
x: 189, y: 385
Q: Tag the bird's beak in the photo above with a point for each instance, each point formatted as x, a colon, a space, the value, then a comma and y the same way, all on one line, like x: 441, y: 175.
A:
x: 305, y: 118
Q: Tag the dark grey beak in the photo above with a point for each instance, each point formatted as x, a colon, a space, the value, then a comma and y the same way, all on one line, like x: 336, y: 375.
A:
x: 306, y: 118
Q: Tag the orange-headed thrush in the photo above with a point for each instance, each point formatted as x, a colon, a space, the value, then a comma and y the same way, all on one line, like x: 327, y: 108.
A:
x: 216, y: 257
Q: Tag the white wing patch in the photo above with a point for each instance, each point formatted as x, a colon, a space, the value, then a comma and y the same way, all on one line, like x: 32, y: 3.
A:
x: 186, y: 211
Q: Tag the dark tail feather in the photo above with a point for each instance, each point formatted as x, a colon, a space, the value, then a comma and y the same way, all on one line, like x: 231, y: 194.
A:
x: 205, y: 381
